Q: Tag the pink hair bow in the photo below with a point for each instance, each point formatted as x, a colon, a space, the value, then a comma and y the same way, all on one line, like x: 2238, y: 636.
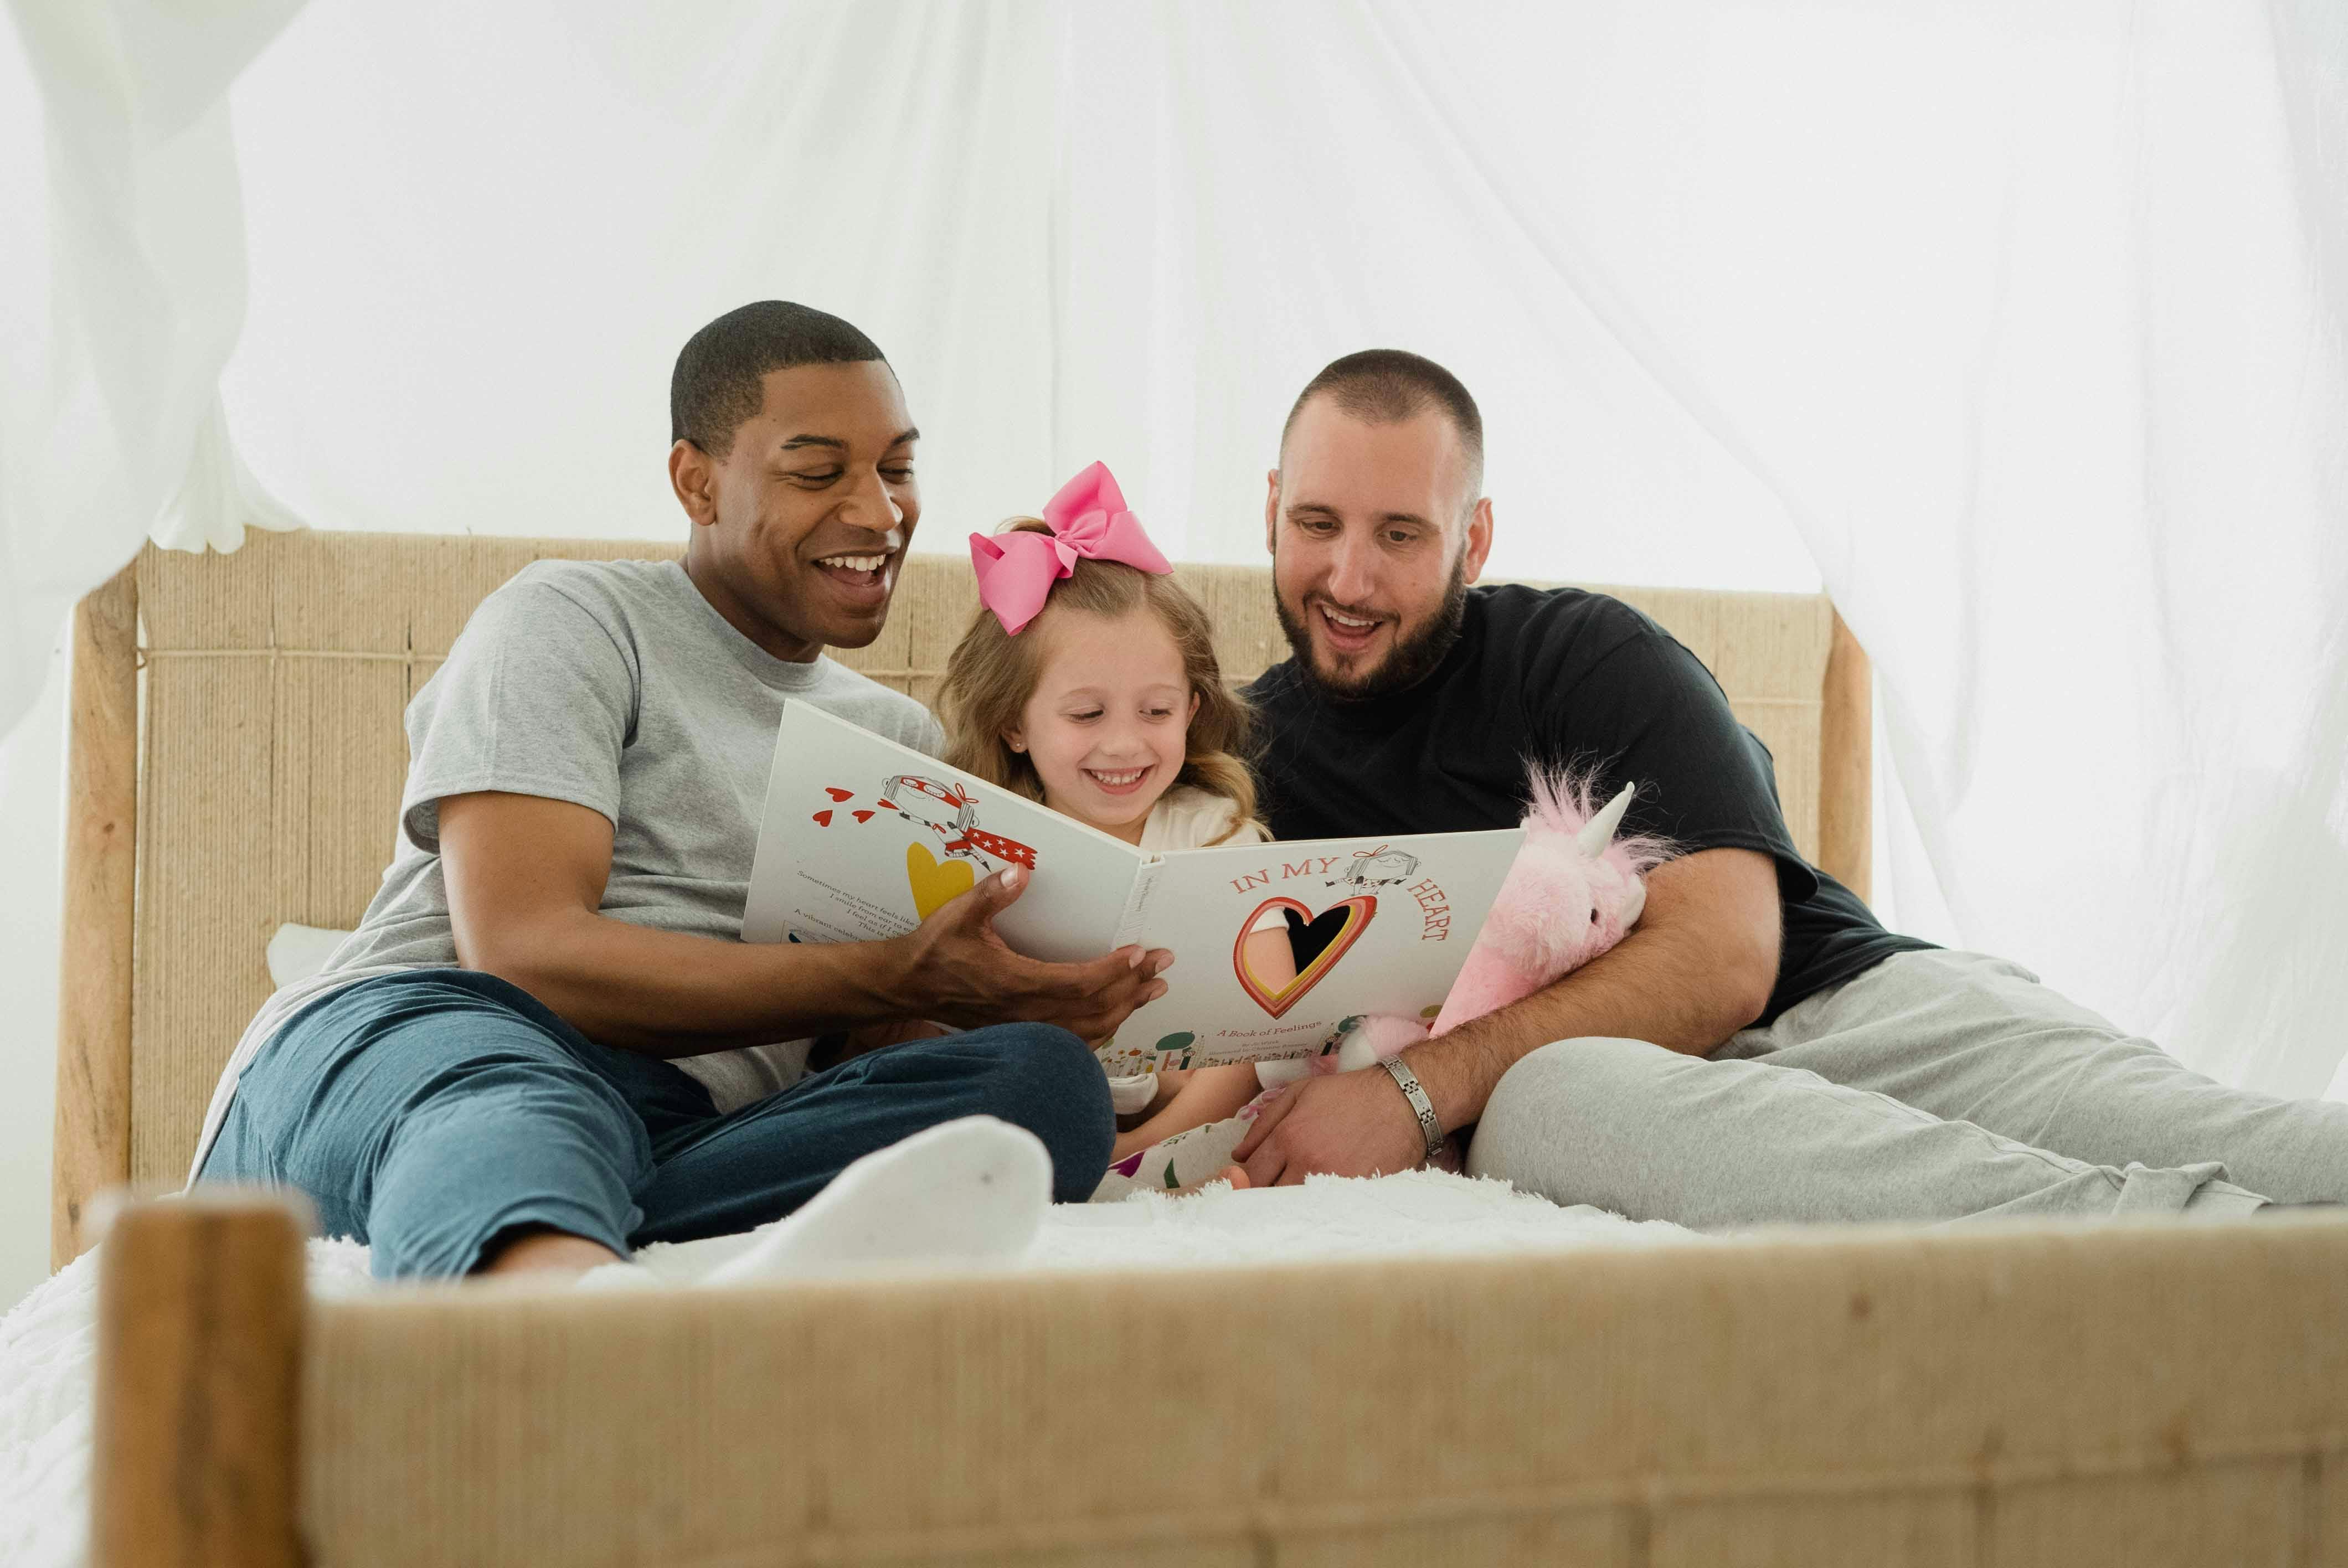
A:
x: 1088, y: 518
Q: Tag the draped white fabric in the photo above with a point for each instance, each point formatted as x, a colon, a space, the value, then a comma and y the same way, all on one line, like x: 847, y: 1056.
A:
x: 1080, y: 232
x: 121, y: 291
x: 2022, y: 325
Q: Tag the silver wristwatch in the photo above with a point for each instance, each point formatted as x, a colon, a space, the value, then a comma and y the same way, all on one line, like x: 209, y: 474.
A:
x: 1430, y: 1127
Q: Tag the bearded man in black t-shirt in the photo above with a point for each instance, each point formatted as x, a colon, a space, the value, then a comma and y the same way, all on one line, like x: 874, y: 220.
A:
x: 1758, y: 1048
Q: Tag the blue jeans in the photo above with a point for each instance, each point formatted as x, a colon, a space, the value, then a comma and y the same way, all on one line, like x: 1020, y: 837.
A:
x: 427, y: 1113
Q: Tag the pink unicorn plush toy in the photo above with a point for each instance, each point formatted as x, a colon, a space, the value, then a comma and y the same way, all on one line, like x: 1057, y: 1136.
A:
x: 1573, y: 891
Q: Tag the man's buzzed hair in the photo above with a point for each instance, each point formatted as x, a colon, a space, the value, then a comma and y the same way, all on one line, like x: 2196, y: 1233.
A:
x: 1388, y: 385
x: 716, y: 383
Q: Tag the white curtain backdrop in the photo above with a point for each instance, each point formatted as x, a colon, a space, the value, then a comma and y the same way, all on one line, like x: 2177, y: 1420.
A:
x: 121, y: 290
x: 479, y: 237
x: 2023, y: 325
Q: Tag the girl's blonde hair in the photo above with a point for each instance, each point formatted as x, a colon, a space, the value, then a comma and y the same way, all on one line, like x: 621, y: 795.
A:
x: 991, y: 676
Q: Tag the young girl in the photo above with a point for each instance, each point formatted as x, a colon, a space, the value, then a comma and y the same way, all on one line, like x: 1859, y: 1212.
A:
x: 1087, y: 681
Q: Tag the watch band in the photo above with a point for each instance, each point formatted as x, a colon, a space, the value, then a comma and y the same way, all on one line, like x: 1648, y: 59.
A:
x: 1430, y: 1126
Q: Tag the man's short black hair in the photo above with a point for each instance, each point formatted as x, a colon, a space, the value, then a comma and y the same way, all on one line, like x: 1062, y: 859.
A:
x: 1388, y: 385
x: 716, y: 384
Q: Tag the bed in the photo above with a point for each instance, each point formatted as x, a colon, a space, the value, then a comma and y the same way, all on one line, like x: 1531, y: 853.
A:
x: 2173, y: 1393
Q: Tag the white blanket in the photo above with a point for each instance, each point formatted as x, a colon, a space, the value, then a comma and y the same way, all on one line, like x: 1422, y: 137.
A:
x: 48, y: 1343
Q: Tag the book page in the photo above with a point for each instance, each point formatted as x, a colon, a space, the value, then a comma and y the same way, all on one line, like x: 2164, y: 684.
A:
x: 861, y: 838
x: 1278, y: 945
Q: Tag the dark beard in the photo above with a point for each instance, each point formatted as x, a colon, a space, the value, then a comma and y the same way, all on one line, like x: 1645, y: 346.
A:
x: 1411, y: 661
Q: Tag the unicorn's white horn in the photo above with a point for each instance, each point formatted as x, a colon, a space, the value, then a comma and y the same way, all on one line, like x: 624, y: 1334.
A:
x: 1598, y: 831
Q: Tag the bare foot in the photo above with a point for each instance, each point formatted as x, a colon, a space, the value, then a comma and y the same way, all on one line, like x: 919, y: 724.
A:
x: 537, y: 1250
x: 1231, y: 1174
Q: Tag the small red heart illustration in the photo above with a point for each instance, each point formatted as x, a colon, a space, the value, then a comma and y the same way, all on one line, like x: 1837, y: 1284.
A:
x: 836, y: 793
x: 823, y: 819
x: 862, y: 816
x: 886, y: 805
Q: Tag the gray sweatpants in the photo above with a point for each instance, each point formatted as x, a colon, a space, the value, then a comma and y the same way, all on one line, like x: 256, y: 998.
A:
x: 1934, y: 1086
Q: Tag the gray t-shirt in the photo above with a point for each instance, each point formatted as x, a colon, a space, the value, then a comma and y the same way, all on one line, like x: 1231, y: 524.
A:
x: 614, y: 685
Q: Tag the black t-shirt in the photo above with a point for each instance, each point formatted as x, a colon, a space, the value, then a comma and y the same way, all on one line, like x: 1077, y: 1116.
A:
x: 1559, y: 677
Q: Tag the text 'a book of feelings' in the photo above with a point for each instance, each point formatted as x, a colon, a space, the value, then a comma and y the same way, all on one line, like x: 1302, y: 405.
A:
x: 1276, y: 945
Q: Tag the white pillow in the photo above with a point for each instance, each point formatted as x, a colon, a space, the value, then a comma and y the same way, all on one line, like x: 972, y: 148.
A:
x: 297, y: 952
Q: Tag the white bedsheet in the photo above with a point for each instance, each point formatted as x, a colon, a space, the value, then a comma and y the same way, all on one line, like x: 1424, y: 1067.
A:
x: 47, y: 1344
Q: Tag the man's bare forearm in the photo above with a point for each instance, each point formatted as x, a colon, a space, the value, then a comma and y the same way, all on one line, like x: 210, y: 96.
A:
x: 667, y: 994
x: 1701, y: 970
x: 527, y: 877
x: 1642, y: 989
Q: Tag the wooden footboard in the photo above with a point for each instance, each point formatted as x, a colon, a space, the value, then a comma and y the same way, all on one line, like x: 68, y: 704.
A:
x: 2150, y: 1395
x: 194, y: 1454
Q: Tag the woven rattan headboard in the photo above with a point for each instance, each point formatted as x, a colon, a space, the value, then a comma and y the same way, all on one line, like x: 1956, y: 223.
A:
x: 252, y: 777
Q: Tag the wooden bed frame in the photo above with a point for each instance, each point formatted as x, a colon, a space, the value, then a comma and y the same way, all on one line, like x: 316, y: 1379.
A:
x: 2141, y: 1394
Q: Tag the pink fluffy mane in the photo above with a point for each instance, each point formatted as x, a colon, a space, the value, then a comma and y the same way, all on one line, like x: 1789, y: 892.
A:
x: 1526, y: 924
x: 1563, y: 801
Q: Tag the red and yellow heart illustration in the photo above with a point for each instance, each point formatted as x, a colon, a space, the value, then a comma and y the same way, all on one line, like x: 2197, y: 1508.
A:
x: 935, y: 885
x: 1324, y: 937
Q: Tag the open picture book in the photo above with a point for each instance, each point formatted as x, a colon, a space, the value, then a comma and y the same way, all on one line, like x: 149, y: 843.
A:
x: 1275, y: 945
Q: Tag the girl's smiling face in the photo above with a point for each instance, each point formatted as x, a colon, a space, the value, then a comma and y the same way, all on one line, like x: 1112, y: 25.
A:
x: 1109, y: 725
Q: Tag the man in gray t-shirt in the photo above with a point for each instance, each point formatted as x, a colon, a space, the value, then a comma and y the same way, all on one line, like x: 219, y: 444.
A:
x: 546, y: 1042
